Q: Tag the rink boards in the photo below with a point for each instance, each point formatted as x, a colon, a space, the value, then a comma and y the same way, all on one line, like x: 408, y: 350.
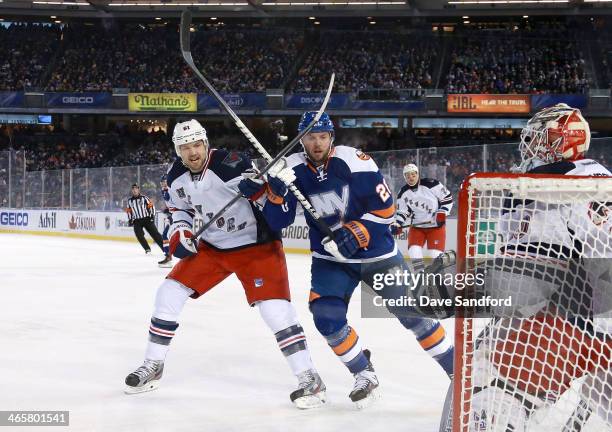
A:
x: 114, y: 226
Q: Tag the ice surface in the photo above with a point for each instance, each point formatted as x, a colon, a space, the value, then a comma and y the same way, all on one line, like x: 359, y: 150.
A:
x: 74, y: 316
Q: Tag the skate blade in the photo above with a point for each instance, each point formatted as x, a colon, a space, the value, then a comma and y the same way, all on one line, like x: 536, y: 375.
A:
x: 368, y: 401
x: 167, y: 265
x: 150, y: 386
x: 311, y: 401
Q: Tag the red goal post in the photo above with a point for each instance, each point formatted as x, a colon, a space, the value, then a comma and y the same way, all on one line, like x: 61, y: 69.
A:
x: 542, y: 354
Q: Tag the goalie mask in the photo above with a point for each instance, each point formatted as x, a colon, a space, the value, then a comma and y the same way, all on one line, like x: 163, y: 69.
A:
x: 556, y: 133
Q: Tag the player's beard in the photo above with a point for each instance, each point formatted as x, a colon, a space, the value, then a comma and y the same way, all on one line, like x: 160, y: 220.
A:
x: 195, y: 163
x: 319, y: 156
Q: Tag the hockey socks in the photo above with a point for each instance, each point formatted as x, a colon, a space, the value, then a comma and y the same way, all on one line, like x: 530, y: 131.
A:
x: 281, y: 318
x: 160, y: 334
x: 329, y: 315
x: 347, y: 346
x: 292, y: 343
x: 169, y: 302
x: 432, y: 337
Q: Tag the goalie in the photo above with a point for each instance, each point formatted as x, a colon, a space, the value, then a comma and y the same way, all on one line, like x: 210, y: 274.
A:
x: 558, y: 331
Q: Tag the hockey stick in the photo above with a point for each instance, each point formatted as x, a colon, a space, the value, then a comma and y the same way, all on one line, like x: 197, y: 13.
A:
x: 186, y: 51
x: 419, y: 225
x: 280, y: 155
x: 578, y: 418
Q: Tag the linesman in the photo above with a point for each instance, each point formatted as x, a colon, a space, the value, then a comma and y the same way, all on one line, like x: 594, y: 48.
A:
x: 141, y: 214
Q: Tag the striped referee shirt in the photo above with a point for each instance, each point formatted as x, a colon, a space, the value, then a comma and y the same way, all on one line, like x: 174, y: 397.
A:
x: 140, y: 207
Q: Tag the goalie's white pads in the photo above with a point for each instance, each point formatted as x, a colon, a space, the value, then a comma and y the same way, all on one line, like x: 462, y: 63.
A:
x: 597, y: 392
x: 494, y: 410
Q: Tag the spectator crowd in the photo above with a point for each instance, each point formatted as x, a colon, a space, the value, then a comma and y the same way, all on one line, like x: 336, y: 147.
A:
x: 99, y: 57
x: 368, y: 60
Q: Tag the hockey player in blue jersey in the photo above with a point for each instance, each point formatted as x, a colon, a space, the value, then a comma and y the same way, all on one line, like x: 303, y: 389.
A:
x: 346, y: 188
x: 165, y: 196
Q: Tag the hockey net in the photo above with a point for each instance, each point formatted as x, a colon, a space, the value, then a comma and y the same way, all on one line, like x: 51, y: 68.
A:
x: 544, y: 363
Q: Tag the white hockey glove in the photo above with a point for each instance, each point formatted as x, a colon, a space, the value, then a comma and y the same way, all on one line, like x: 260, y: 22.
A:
x: 282, y: 172
x: 279, y: 177
x: 182, y: 242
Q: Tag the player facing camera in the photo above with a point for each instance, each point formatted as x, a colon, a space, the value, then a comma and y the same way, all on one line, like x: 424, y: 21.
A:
x: 191, y: 144
x: 318, y: 143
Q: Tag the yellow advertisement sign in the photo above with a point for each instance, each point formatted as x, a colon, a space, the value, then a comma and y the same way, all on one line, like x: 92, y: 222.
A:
x: 181, y: 102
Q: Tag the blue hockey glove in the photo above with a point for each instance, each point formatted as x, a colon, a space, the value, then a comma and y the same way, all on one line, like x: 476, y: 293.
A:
x: 250, y: 186
x: 351, y: 237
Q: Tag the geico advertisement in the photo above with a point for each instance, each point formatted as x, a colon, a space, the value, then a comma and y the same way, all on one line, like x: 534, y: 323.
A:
x: 116, y: 224
x: 68, y: 221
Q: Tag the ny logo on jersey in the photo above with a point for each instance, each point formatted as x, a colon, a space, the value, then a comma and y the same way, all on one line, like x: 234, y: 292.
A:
x: 330, y: 204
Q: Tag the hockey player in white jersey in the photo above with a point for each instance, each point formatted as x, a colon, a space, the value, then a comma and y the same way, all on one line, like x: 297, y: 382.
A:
x: 546, y: 245
x: 422, y: 205
x: 202, y: 180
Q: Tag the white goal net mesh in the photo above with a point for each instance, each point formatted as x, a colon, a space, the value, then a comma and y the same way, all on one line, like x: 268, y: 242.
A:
x: 535, y: 356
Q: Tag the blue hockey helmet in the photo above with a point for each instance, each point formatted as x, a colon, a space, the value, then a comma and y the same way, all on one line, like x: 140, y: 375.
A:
x: 324, y: 124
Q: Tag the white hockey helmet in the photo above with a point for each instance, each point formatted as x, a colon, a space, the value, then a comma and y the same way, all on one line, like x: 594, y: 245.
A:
x: 553, y: 134
x: 188, y: 132
x: 410, y: 168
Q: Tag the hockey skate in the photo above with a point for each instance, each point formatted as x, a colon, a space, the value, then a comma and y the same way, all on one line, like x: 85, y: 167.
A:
x: 365, y: 391
x: 166, y: 262
x: 310, y: 392
x: 145, y: 378
x: 442, y: 261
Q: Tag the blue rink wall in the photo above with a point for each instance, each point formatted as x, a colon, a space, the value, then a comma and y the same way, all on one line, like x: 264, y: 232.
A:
x: 114, y: 226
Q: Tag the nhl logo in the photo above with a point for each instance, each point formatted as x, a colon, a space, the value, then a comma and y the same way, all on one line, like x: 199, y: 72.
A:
x: 180, y: 192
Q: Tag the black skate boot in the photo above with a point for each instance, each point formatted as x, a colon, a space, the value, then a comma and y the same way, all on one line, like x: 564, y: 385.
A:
x: 310, y: 392
x: 365, y: 390
x: 166, y: 262
x: 145, y: 378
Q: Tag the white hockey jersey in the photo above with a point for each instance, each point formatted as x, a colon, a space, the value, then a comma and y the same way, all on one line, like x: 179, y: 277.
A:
x: 242, y: 224
x: 560, y: 233
x: 424, y: 200
x: 542, y: 229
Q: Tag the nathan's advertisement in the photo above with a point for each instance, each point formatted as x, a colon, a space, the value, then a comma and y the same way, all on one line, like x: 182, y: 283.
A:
x: 175, y: 102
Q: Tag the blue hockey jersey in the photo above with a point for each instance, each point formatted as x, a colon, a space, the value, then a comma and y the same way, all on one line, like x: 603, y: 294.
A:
x: 349, y: 187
